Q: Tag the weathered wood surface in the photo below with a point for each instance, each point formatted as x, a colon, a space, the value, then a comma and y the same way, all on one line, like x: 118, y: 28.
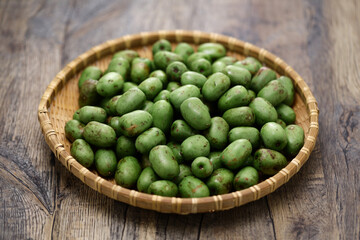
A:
x: 40, y: 199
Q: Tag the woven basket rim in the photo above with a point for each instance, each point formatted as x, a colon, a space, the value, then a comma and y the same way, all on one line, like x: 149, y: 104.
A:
x: 174, y: 204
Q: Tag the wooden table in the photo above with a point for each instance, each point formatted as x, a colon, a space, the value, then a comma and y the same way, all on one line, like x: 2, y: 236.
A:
x: 40, y: 199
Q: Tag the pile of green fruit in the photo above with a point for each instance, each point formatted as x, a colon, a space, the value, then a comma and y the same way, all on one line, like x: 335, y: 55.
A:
x: 187, y: 124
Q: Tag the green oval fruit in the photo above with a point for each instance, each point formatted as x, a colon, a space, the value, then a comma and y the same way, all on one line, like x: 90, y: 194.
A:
x: 90, y: 72
x: 287, y: 83
x: 215, y: 160
x: 115, y: 124
x: 251, y: 64
x: 263, y: 110
x: 240, y: 116
x: 202, y: 66
x: 180, y: 130
x: 201, y: 167
x: 184, y: 50
x: 82, y: 152
x: 119, y: 65
x: 295, y: 139
x: 185, y: 171
x: 134, y: 123
x: 217, y: 133
x: 261, y: 78
x: 174, y: 70
x: 161, y: 75
x: 286, y: 113
x: 195, y: 113
x: 214, y: 50
x: 162, y: 114
x: 274, y: 92
x: 147, y: 177
x: 99, y: 134
x: 195, y: 146
x: 218, y: 67
x: 90, y: 113
x: 140, y: 69
x: 172, y: 86
x: 161, y: 45
x: 74, y: 130
x: 105, y: 162
x: 151, y: 87
x: 128, y: 86
x: 76, y: 115
x: 234, y: 97
x: 195, y: 56
x: 193, y: 78
x: 163, y: 188
x: 273, y: 136
x: 269, y: 161
x: 176, y: 149
x: 251, y: 95
x: 110, y: 84
x: 164, y: 162
x: 127, y: 172
x: 125, y: 146
x: 128, y: 54
x: 178, y: 96
x: 112, y: 105
x: 281, y: 123
x: 192, y: 187
x: 163, y: 58
x: 163, y: 95
x: 249, y: 133
x: 88, y: 94
x: 245, y: 178
x: 147, y: 106
x: 131, y: 100
x: 236, y: 153
x: 216, y: 85
x: 149, y: 139
x: 238, y: 75
x: 220, y: 181
x: 228, y: 60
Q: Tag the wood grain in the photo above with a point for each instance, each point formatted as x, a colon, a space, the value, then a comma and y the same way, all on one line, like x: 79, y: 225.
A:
x: 40, y: 199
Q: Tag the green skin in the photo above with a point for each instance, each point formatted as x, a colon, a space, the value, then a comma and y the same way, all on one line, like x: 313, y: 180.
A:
x: 115, y: 124
x: 261, y: 78
x: 104, y: 103
x: 202, y: 66
x: 125, y: 146
x: 195, y: 113
x: 147, y: 177
x: 218, y: 67
x: 99, y: 134
x: 236, y: 153
x: 88, y: 94
x: 176, y: 149
x: 160, y: 75
x: 251, y: 95
x: 268, y: 161
x: 163, y: 58
x: 235, y: 97
x: 163, y: 95
x: 174, y: 71
x: 238, y: 75
x: 172, y: 86
x: 228, y: 60
x: 274, y: 92
x: 295, y: 139
x: 220, y: 181
x: 180, y: 130
x: 184, y: 50
x: 263, y: 110
x: 215, y: 160
x: 161, y: 45
x: 128, y: 54
x: 76, y: 115
x: 163, y: 188
x: 110, y: 84
x: 251, y: 64
x: 151, y: 87
x: 112, y: 105
x: 216, y: 85
x: 127, y: 172
x: 128, y: 86
x: 119, y: 65
x: 74, y: 130
x: 250, y: 133
x: 217, y: 133
x: 131, y: 100
x: 273, y: 136
x: 193, y: 78
x: 134, y: 123
x: 82, y: 152
x: 147, y: 106
x: 91, y: 72
x: 240, y: 116
x: 195, y: 56
x: 140, y: 70
x: 192, y: 187
x: 149, y: 139
x: 286, y: 113
x: 163, y: 114
x: 195, y: 146
x: 185, y: 171
x: 281, y: 122
x: 90, y: 113
x: 287, y: 83
x: 201, y: 167
x: 105, y: 162
x: 145, y: 162
x: 245, y: 178
x: 214, y: 50
x: 178, y: 96
x: 164, y: 162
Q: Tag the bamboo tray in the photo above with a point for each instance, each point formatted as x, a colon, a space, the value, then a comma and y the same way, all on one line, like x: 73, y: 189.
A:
x: 60, y: 101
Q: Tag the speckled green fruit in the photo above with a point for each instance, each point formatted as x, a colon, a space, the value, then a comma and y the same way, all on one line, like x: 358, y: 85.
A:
x: 228, y: 60
x: 238, y: 75
x: 111, y: 105
x: 214, y: 50
x: 147, y: 177
x: 88, y: 94
x: 251, y: 64
x: 76, y: 115
x: 128, y: 54
x: 251, y: 95
x: 163, y: 95
x: 149, y: 139
x: 240, y: 116
x: 195, y: 146
x: 99, y: 134
x: 220, y: 181
x: 273, y: 136
x: 180, y: 130
x: 163, y: 114
x: 82, y: 152
x: 164, y: 162
x: 134, y: 123
x: 195, y: 113
x: 172, y: 86
x: 286, y: 113
x: 91, y: 113
x: 215, y: 160
x: 110, y: 84
x: 217, y: 134
x: 115, y: 124
x: 236, y: 153
x: 74, y: 130
x: 245, y: 178
x: 202, y: 66
x: 195, y: 56
x: 163, y: 58
x: 151, y: 87
x: 274, y: 92
x: 178, y: 96
x: 184, y: 50
x: 216, y: 85
x: 185, y: 171
x: 140, y: 69
x: 287, y: 83
x: 281, y: 123
x: 261, y: 78
x: 201, y: 167
x: 268, y: 161
x: 174, y: 71
x: 176, y: 149
x: 295, y: 139
x: 218, y: 67
x: 163, y: 188
x: 161, y: 45
x: 105, y: 162
x: 192, y: 187
x: 235, y: 97
x: 127, y: 172
x: 125, y: 146
x: 119, y: 65
x: 263, y: 110
x: 131, y: 100
x: 250, y: 133
x: 160, y: 74
x: 147, y: 106
x: 90, y: 72
x: 193, y: 78
x: 128, y: 86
